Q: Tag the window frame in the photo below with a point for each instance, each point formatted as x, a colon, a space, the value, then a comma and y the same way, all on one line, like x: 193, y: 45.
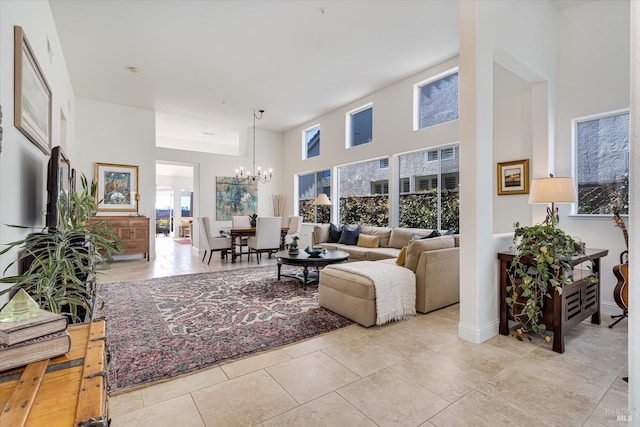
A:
x: 417, y: 87
x: 349, y: 125
x: 574, y: 157
x: 305, y: 143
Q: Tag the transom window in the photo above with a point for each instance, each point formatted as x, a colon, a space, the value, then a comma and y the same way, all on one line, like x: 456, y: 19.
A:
x: 602, y: 162
x: 311, y: 141
x: 360, y: 126
x: 436, y: 101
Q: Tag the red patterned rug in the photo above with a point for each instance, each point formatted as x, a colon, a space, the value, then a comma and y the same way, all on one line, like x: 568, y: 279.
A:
x: 162, y: 328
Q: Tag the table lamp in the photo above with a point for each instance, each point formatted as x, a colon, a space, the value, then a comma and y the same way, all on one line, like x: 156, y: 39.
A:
x: 322, y: 200
x: 552, y: 190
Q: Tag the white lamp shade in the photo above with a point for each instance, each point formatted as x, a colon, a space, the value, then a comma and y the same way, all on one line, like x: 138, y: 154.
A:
x: 553, y: 190
x: 322, y: 200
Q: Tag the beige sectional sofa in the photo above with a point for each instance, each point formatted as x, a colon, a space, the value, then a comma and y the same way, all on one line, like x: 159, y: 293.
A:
x: 435, y: 262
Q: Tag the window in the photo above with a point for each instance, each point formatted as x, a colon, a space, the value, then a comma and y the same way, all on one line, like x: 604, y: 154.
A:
x: 436, y: 101
x: 186, y: 203
x: 360, y: 126
x: 602, y: 162
x: 309, y: 186
x: 363, y: 189
x: 434, y: 201
x: 311, y: 141
x: 380, y: 187
x: 384, y: 163
x: 405, y: 185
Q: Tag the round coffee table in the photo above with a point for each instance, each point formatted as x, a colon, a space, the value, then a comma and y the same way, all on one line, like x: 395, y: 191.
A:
x: 302, y: 259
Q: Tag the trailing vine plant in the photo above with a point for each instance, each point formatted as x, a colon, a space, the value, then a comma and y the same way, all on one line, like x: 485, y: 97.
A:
x: 540, y: 267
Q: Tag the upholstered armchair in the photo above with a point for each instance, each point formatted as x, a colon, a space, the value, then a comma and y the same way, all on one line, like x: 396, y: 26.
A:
x: 267, y: 238
x: 295, y: 229
x: 212, y: 243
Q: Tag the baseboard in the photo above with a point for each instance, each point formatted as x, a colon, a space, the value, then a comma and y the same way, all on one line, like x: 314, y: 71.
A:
x: 477, y: 336
x: 609, y: 308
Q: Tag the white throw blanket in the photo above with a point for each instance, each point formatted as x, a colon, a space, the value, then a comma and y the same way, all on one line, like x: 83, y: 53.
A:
x: 395, y: 288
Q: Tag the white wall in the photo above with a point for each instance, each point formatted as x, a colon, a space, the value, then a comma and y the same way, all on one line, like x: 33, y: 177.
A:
x: 23, y: 167
x: 109, y: 133
x: 593, y: 77
x: 512, y: 140
x: 392, y: 131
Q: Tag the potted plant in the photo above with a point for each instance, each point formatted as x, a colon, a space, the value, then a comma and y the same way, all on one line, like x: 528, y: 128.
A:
x: 293, y: 247
x: 59, y: 265
x: 540, y: 266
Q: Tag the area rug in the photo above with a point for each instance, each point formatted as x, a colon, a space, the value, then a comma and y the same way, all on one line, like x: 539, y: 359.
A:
x: 162, y: 328
x: 182, y: 241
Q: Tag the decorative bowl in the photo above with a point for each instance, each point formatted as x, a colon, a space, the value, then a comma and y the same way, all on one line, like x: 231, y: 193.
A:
x: 314, y: 252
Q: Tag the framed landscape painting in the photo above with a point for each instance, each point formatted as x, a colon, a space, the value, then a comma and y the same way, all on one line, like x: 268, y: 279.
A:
x: 32, y: 96
x: 513, y: 177
x: 117, y: 187
x: 233, y: 198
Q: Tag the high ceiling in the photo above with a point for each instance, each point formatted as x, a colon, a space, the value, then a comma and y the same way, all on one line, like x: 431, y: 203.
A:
x: 204, y: 64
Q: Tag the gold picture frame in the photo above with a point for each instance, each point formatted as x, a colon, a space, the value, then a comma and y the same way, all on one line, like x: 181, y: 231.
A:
x: 117, y: 187
x: 32, y: 95
x: 513, y: 177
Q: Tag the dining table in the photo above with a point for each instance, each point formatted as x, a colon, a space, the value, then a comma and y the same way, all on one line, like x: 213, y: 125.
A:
x: 236, y: 233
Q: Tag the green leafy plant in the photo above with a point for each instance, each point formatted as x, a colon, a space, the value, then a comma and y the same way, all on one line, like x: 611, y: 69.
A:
x: 60, y: 272
x: 540, y: 266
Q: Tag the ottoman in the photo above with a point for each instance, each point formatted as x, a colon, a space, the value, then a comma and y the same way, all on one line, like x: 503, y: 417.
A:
x: 350, y: 295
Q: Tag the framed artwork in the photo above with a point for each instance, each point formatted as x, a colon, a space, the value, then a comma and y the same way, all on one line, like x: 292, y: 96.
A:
x: 233, y: 198
x: 32, y: 96
x: 513, y: 177
x: 117, y: 187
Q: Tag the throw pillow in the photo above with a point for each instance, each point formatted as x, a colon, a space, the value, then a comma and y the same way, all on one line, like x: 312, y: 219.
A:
x: 401, y: 256
x: 334, y: 233
x: 368, y: 241
x: 434, y: 233
x: 349, y: 235
x: 416, y: 247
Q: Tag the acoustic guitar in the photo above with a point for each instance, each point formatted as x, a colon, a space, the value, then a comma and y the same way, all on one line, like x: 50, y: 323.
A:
x: 621, y: 291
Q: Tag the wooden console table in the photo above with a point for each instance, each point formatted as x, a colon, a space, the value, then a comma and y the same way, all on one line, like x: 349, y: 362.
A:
x: 134, y: 231
x: 578, y: 301
x: 65, y: 391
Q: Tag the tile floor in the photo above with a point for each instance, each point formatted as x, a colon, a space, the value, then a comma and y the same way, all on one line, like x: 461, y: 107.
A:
x: 411, y: 373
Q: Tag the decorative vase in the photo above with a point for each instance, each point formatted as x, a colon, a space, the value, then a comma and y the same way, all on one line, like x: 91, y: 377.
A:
x: 253, y: 223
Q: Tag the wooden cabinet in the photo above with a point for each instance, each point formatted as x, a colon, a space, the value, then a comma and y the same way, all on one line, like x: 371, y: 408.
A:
x: 68, y: 390
x: 134, y: 231
x: 578, y: 301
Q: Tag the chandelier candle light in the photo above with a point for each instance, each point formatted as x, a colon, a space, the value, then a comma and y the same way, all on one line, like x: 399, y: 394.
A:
x: 241, y: 175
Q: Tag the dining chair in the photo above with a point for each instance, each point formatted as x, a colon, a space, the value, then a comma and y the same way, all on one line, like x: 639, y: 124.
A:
x: 267, y: 238
x: 212, y: 243
x: 295, y: 229
x: 241, y: 221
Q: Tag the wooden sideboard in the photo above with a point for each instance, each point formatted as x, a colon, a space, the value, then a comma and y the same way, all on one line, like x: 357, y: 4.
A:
x: 133, y: 230
x: 68, y: 390
x: 578, y: 301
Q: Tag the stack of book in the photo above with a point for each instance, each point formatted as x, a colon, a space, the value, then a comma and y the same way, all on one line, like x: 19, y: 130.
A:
x: 30, y: 340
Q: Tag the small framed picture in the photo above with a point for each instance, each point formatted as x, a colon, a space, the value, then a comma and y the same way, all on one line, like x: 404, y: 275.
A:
x: 513, y: 177
x: 117, y: 187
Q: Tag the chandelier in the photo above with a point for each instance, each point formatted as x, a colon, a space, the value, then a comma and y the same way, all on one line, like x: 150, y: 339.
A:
x: 254, y: 175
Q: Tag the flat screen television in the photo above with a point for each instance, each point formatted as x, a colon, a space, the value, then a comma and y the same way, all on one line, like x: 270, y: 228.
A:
x: 58, y: 185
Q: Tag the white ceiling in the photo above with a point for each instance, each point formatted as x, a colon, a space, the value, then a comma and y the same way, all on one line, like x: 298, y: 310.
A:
x: 205, y: 65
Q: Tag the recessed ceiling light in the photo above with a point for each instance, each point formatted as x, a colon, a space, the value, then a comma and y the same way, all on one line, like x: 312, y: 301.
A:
x: 134, y: 70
